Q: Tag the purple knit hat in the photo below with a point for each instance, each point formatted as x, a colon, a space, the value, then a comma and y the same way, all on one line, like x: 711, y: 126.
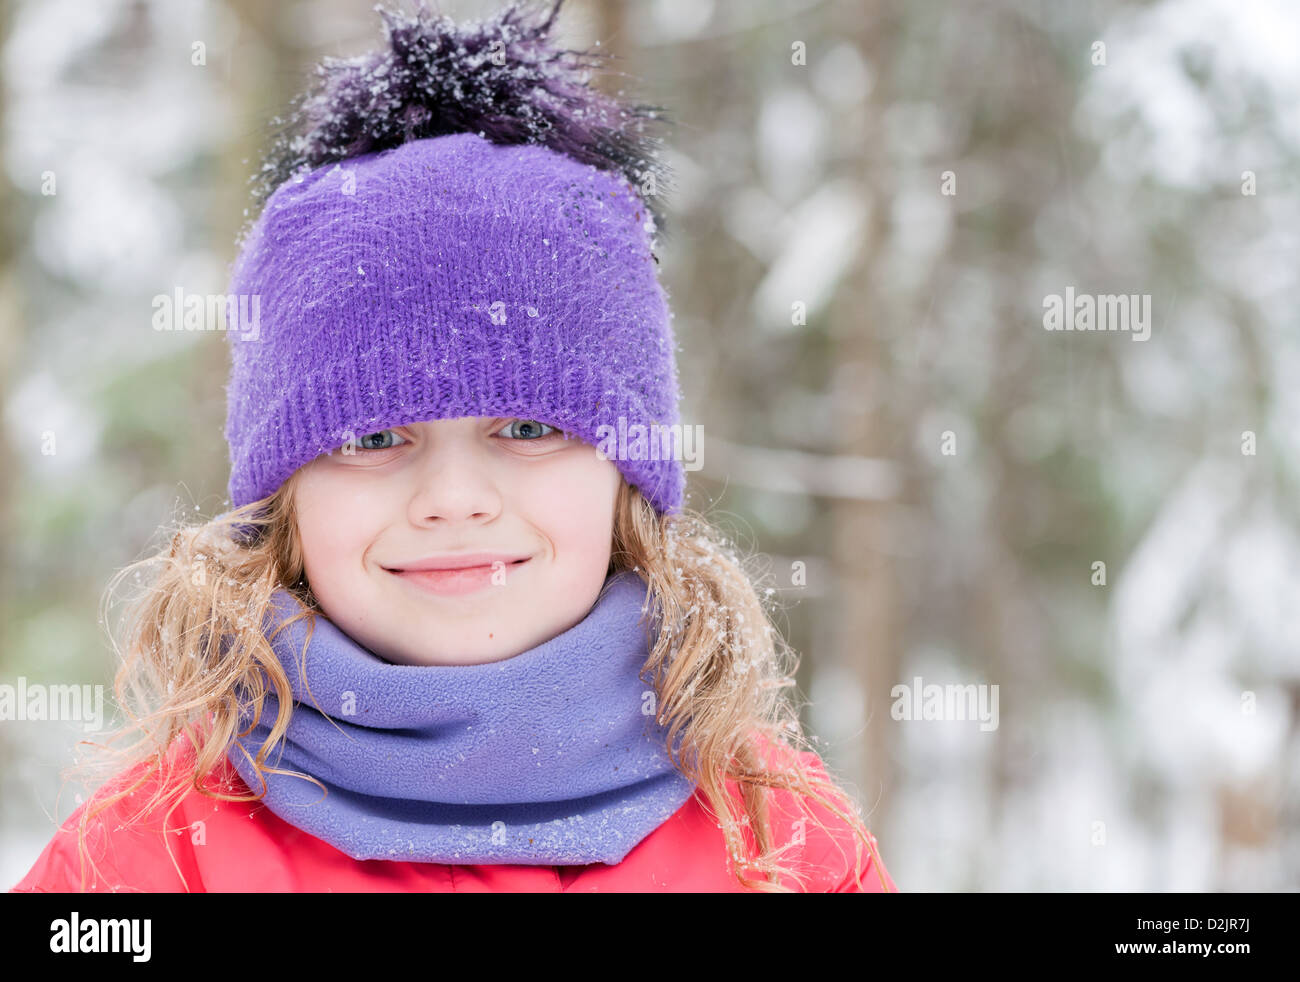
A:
x: 458, y: 234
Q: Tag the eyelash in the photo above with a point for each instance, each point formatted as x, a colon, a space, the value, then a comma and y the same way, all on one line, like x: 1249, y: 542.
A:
x: 554, y: 432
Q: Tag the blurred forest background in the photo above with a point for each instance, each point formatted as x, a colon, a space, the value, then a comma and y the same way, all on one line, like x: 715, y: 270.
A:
x: 1149, y: 727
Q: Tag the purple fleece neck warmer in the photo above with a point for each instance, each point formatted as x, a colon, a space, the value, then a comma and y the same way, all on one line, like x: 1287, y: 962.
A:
x: 552, y: 757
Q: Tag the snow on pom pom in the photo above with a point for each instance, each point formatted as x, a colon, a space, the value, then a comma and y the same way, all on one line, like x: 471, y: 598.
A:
x: 502, y: 78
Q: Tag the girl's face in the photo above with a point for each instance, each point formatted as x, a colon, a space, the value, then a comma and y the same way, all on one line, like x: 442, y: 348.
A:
x: 435, y: 492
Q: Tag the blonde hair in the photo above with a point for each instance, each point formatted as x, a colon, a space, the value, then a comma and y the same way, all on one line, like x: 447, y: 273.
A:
x: 193, y: 636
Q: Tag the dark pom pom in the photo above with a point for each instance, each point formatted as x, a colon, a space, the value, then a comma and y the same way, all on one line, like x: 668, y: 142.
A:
x: 501, y: 78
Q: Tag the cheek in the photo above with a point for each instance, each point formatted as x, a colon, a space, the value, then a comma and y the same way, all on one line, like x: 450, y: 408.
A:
x: 331, y: 526
x: 586, y: 511
x: 574, y: 503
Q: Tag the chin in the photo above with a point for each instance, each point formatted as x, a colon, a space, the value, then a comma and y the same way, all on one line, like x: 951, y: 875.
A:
x: 462, y: 654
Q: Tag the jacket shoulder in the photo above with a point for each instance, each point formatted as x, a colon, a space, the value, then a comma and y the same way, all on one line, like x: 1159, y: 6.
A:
x: 832, y: 853
x: 116, y: 849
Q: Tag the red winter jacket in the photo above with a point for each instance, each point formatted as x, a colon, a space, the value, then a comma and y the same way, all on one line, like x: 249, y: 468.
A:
x: 227, y: 847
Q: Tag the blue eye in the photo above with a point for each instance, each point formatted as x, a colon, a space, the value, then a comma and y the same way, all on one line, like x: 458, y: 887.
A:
x: 363, y: 445
x: 527, y: 429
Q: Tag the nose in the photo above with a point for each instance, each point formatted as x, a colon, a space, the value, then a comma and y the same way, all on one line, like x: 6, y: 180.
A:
x: 454, y: 485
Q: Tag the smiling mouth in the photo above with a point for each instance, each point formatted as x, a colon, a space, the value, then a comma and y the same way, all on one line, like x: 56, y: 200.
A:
x: 458, y: 568
x: 465, y: 579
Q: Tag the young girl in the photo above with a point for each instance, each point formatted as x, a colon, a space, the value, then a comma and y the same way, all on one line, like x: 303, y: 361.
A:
x: 457, y: 632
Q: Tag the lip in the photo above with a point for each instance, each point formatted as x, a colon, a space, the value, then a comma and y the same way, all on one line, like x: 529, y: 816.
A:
x: 457, y: 560
x: 456, y: 574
